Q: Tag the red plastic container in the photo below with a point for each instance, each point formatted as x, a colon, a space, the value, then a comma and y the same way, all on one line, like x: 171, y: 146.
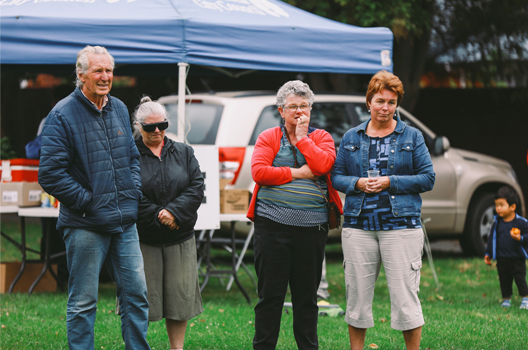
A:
x: 19, y: 169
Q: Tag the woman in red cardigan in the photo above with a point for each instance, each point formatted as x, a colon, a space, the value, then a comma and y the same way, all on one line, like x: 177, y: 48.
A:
x: 291, y: 166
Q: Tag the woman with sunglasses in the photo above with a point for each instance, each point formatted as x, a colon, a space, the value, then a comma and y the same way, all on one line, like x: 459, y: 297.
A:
x: 172, y: 186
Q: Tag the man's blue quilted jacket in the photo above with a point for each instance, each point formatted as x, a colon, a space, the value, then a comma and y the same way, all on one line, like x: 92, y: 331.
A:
x: 90, y: 163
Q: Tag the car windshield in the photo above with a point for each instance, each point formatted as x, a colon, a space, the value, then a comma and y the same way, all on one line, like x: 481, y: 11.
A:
x: 362, y: 113
x: 203, y: 119
x: 269, y: 118
x: 333, y: 117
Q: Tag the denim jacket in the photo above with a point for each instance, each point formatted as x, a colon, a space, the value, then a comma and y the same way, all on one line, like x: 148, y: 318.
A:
x: 410, y: 169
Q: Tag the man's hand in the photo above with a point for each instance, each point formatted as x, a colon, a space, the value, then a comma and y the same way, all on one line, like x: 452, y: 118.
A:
x: 516, y: 234
x: 166, y: 218
x: 487, y: 260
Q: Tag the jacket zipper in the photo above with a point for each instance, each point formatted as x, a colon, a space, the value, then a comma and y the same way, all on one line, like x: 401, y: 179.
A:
x: 162, y: 171
x: 113, y: 169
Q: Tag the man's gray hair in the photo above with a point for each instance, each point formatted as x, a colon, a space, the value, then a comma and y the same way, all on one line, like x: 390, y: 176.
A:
x: 295, y: 87
x: 146, y: 108
x: 82, y: 60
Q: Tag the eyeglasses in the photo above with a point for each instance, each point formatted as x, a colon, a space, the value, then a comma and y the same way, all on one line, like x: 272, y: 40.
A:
x: 152, y: 127
x: 293, y: 108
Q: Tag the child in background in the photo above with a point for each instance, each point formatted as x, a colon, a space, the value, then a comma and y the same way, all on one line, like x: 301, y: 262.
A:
x: 508, y: 244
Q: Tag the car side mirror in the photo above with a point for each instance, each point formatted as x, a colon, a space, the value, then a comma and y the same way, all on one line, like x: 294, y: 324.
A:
x: 440, y: 146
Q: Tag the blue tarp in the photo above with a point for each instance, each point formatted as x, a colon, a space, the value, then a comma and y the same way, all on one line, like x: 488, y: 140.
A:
x: 244, y: 34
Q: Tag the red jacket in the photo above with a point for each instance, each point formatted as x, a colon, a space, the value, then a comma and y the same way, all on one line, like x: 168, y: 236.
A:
x: 318, y: 150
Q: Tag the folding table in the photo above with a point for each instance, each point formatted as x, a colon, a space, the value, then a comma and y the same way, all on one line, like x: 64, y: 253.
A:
x: 230, y: 244
x: 37, y: 212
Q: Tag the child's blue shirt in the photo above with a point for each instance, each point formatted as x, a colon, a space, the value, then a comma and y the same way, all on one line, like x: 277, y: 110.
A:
x: 500, y: 243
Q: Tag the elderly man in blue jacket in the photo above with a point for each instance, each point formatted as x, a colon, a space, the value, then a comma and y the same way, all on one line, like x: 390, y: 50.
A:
x: 89, y: 162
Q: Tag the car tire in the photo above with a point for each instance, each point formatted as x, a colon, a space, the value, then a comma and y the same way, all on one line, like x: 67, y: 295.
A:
x: 478, y: 225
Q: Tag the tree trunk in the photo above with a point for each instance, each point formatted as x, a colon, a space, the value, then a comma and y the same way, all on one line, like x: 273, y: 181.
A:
x: 409, y: 57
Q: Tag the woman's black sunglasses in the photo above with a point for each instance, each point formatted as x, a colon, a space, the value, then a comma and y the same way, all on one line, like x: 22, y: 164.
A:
x: 152, y: 127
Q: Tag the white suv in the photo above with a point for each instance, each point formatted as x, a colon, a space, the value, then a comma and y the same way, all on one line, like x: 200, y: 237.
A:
x: 461, y: 205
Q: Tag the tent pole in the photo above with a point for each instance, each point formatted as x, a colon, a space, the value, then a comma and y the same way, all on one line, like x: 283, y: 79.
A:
x: 182, y: 78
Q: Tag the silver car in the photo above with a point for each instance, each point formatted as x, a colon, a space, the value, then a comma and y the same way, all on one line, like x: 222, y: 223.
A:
x: 460, y: 206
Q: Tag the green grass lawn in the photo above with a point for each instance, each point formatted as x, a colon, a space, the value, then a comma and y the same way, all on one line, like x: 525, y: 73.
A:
x: 463, y: 314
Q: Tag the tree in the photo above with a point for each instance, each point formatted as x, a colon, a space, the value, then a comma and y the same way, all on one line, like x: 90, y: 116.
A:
x: 489, y: 38
x: 428, y: 30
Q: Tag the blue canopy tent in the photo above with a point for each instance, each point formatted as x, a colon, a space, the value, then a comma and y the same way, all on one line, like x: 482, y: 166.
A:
x: 243, y: 34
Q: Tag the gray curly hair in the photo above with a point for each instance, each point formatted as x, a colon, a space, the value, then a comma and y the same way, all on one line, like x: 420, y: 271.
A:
x: 295, y: 87
x: 83, y: 64
x: 146, y: 108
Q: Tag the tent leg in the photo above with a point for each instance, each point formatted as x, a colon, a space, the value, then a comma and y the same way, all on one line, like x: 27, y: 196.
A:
x: 427, y: 247
x: 182, y: 79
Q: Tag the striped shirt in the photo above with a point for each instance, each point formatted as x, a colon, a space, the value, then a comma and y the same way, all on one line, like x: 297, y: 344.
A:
x: 296, y: 203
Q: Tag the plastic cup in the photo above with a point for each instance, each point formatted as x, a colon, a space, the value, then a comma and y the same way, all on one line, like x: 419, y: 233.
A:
x: 372, y: 174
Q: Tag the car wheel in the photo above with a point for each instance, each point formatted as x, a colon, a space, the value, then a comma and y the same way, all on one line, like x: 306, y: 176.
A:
x: 478, y: 225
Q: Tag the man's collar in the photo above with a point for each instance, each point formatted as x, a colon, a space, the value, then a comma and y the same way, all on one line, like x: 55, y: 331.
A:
x: 105, y: 100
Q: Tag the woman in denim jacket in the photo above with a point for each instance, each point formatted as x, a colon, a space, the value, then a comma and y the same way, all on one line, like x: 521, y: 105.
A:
x: 382, y: 213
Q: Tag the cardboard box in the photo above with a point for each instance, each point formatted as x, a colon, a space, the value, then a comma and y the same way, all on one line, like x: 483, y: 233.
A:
x: 224, y: 183
x: 234, y: 201
x: 23, y: 194
x: 9, y: 270
x: 19, y: 169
